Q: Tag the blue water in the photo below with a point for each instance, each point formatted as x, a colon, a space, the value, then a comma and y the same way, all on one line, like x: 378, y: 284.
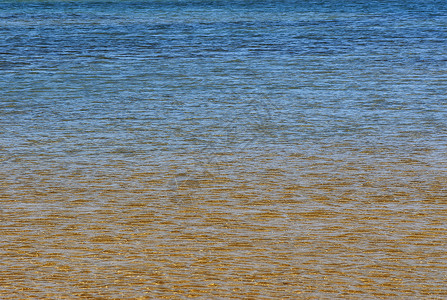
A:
x: 348, y: 92
x: 154, y: 75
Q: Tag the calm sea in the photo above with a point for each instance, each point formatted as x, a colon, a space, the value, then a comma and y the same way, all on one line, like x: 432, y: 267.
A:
x: 223, y: 149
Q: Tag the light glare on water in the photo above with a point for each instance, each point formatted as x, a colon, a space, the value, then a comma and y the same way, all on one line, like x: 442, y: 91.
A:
x: 223, y: 149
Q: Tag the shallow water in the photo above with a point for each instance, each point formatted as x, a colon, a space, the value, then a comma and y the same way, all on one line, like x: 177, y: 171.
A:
x: 223, y: 149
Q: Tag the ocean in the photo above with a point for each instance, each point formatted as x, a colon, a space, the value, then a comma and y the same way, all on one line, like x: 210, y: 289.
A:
x: 223, y: 149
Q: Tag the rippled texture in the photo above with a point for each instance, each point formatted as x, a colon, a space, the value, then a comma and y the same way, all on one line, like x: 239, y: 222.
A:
x: 223, y: 149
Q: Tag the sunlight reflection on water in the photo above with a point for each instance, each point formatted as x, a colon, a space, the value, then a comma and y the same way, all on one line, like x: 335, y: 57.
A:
x: 222, y: 149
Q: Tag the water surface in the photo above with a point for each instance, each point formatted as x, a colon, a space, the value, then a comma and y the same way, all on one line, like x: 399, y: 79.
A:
x: 223, y: 149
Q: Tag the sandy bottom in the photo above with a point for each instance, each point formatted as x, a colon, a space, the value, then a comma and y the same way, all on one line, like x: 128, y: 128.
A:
x: 251, y: 226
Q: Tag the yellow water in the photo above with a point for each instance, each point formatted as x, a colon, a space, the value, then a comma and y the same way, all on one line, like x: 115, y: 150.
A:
x: 258, y: 225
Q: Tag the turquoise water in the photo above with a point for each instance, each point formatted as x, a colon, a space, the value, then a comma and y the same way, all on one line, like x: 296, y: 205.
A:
x: 114, y: 110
